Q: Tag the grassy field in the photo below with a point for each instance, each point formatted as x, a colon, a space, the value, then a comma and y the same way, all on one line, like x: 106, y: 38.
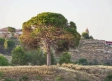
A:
x: 65, y: 72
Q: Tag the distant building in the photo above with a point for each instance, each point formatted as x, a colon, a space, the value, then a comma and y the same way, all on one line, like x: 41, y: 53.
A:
x: 109, y: 43
x: 4, y: 33
x: 87, y: 31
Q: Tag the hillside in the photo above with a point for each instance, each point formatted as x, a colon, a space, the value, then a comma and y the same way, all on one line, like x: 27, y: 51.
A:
x: 66, y: 72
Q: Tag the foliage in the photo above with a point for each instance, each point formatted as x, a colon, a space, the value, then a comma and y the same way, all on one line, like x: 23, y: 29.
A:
x: 12, y: 30
x: 24, y: 78
x: 91, y: 37
x: 82, y: 61
x: 37, y: 57
x: 1, y: 74
x: 65, y: 58
x: 2, y: 50
x: 19, y: 57
x: 53, y: 60
x: 86, y: 36
x: 9, y: 45
x: 2, y: 41
x: 46, y: 29
x: 108, y: 78
x: 9, y: 79
x: 72, y: 25
x: 6, y: 44
x: 39, y: 78
x: 3, y: 61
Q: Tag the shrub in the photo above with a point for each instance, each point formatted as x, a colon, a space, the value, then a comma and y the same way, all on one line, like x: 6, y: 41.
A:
x: 24, y: 78
x: 1, y: 74
x: 39, y: 78
x: 3, y: 61
x: 53, y: 60
x: 108, y: 78
x: 65, y: 58
x: 19, y: 57
x: 9, y: 79
x: 82, y: 61
x: 37, y: 57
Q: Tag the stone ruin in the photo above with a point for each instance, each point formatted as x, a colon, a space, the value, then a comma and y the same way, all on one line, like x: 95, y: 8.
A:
x: 95, y: 51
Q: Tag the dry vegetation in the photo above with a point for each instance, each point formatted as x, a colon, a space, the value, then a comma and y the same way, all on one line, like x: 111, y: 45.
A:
x: 65, y: 72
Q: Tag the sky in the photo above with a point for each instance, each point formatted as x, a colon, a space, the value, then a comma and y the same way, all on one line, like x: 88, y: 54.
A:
x: 96, y: 15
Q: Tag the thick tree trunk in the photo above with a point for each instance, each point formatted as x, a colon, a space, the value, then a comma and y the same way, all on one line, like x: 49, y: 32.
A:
x: 48, y: 58
x: 47, y: 45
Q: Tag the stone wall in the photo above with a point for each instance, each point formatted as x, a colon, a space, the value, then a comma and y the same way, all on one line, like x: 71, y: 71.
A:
x: 93, y: 51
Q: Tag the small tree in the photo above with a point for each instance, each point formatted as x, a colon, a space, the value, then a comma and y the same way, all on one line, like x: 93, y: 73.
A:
x: 11, y: 30
x: 3, y: 61
x: 85, y: 35
x: 65, y: 58
x: 9, y: 45
x: 19, y: 57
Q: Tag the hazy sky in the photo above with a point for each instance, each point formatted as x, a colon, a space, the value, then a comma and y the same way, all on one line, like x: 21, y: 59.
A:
x: 96, y: 15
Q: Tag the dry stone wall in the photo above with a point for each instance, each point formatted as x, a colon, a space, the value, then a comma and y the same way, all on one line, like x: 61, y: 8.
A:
x: 93, y: 51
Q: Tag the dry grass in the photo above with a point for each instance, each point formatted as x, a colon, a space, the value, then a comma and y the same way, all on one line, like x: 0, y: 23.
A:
x: 65, y: 72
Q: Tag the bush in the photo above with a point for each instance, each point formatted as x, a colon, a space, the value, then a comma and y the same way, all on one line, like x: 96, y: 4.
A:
x: 1, y: 74
x: 65, y: 58
x: 3, y: 61
x: 37, y: 57
x: 108, y: 78
x: 9, y: 79
x: 19, y: 57
x: 39, y: 78
x: 82, y: 61
x: 24, y: 78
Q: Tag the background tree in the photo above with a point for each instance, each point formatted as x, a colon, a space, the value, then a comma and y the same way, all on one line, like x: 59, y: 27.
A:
x: 2, y: 50
x: 19, y: 57
x: 91, y: 37
x: 9, y: 45
x: 85, y: 35
x: 11, y: 30
x: 46, y: 30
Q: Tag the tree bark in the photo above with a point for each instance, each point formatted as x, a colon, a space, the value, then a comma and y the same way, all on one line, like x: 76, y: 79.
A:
x: 47, y: 46
x: 48, y: 59
x: 48, y: 55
